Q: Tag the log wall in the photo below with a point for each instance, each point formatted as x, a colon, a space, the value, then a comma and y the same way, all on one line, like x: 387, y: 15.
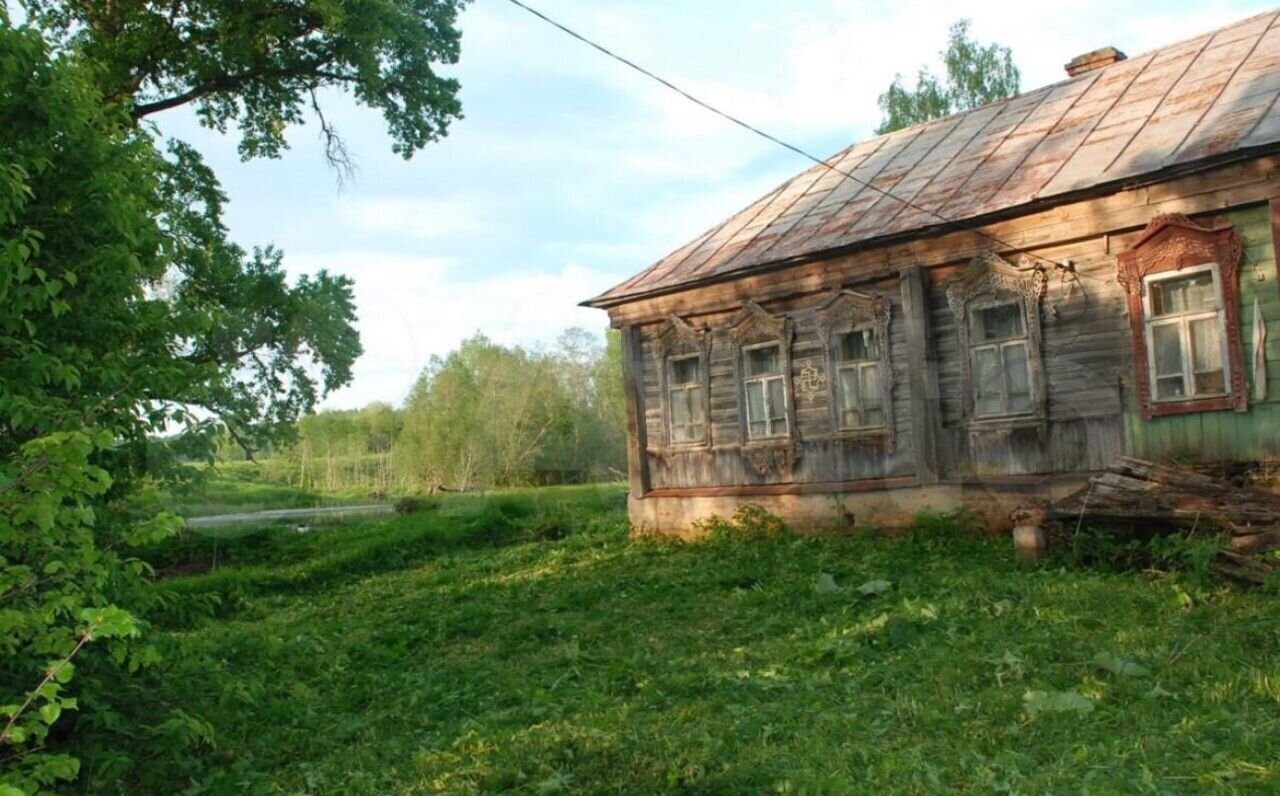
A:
x: 1090, y: 416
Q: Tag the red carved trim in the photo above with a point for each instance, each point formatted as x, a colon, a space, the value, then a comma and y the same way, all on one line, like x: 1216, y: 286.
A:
x: 1170, y: 243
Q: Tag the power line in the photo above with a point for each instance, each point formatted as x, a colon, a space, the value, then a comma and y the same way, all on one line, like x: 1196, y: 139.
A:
x: 774, y: 139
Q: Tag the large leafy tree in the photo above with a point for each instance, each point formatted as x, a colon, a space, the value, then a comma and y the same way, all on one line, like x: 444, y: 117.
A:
x: 976, y: 74
x: 126, y: 311
x: 261, y: 64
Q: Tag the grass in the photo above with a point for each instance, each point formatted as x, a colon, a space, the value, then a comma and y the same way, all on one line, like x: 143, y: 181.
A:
x: 523, y: 643
x: 239, y: 487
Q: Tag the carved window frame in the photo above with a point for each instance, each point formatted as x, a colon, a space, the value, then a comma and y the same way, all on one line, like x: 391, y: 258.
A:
x: 990, y: 280
x: 678, y: 339
x: 1170, y: 243
x: 754, y: 327
x: 849, y: 311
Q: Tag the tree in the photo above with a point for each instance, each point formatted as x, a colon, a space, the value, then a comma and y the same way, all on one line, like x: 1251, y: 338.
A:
x: 260, y: 64
x: 126, y: 312
x: 976, y: 75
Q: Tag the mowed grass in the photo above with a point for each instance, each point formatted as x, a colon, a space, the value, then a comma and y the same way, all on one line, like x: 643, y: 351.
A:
x: 522, y: 643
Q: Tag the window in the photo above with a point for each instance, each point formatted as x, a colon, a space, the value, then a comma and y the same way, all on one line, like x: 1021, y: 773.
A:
x: 1182, y: 287
x: 996, y: 306
x: 684, y: 392
x: 999, y: 361
x: 766, y: 393
x: 1186, y: 340
x: 860, y: 396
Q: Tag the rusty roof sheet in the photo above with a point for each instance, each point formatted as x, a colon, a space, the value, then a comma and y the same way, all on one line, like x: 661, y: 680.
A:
x: 1198, y: 100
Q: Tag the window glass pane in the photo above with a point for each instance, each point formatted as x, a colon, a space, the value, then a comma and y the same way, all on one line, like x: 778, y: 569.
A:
x: 1166, y: 339
x: 777, y: 399
x: 849, y: 394
x: 873, y: 417
x: 997, y: 323
x: 987, y: 381
x: 685, y: 371
x: 1206, y: 356
x: 870, y: 386
x: 1192, y: 293
x: 1017, y: 377
x: 755, y: 409
x: 679, y: 408
x: 694, y: 395
x: 763, y: 361
x: 1206, y: 345
x: 1170, y: 387
x: 858, y: 345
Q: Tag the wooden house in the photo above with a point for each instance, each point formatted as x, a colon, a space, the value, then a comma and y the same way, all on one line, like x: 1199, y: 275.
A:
x: 980, y: 310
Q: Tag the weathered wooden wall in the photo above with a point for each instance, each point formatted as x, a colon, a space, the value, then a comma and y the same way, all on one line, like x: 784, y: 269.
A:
x: 821, y: 455
x: 1087, y: 349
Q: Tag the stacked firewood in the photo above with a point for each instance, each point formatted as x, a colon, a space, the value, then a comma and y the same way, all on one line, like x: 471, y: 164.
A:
x: 1141, y: 494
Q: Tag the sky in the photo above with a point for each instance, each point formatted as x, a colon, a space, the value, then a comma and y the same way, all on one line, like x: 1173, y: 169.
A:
x: 570, y: 173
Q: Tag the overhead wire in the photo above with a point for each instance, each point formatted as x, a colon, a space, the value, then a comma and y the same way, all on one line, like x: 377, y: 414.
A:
x: 959, y: 225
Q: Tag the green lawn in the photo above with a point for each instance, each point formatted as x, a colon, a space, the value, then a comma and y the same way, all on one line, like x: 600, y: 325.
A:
x: 523, y: 643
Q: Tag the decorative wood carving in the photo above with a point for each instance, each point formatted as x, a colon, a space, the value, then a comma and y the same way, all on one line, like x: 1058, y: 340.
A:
x: 676, y: 337
x: 812, y: 381
x: 754, y: 324
x: 990, y: 276
x: 777, y: 460
x: 1172, y: 242
x: 844, y: 311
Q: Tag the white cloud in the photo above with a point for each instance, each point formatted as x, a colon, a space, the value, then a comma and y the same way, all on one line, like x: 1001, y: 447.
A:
x: 413, y: 308
x: 418, y: 217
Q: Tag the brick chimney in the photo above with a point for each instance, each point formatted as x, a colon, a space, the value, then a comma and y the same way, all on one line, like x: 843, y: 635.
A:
x: 1094, y: 60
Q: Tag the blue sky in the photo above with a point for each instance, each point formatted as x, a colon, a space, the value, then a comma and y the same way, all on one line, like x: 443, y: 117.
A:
x: 570, y: 173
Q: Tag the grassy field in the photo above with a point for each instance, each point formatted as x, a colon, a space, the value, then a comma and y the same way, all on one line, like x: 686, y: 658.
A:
x: 521, y: 642
x: 236, y: 487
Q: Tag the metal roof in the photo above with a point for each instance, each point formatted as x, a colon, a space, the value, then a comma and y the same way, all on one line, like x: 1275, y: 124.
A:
x: 1188, y: 103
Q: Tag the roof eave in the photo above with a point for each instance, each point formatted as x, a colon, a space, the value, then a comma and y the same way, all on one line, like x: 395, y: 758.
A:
x: 604, y: 301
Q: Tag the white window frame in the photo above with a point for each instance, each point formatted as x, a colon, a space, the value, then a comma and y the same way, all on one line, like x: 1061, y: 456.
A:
x: 1000, y: 346
x: 763, y: 380
x: 1184, y: 321
x: 857, y: 366
x: 683, y: 390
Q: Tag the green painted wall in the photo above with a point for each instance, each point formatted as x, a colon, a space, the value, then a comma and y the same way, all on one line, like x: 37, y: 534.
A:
x: 1227, y: 435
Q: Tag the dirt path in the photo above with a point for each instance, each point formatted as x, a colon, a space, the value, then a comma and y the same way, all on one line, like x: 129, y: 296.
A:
x: 288, y: 514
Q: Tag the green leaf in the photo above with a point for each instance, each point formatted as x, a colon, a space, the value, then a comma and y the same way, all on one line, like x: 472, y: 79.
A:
x: 50, y: 712
x: 826, y: 584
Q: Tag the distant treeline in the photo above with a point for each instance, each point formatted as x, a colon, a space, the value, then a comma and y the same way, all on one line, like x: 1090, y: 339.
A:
x: 485, y: 415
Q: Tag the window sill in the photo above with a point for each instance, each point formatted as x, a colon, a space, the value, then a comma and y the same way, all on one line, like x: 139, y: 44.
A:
x: 1219, y: 403
x: 766, y: 442
x: 1006, y: 423
x: 873, y: 433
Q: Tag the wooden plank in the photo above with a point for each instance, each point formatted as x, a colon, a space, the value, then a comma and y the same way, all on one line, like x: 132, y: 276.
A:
x: 922, y: 378
x: 810, y: 488
x: 633, y: 389
x: 1249, y: 544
